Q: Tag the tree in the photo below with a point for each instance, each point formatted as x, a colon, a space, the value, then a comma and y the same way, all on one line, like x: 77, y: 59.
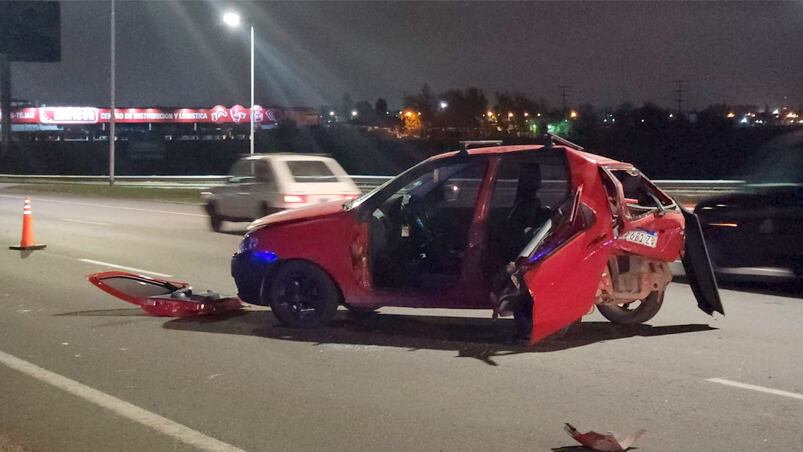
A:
x: 465, y: 108
x: 346, y: 106
x: 422, y: 102
x: 366, y: 115
x: 381, y: 107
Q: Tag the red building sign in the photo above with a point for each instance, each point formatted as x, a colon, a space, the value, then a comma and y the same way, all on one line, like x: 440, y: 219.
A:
x: 90, y: 115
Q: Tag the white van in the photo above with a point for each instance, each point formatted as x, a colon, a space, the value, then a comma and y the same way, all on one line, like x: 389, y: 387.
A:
x: 262, y: 184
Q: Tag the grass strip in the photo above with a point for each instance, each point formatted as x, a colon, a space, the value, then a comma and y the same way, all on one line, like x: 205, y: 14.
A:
x: 186, y: 195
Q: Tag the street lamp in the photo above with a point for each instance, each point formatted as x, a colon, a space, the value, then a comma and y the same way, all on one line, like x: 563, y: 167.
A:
x: 112, y: 77
x: 232, y: 19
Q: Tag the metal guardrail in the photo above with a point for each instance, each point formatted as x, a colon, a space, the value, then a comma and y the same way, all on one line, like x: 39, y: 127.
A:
x: 365, y: 183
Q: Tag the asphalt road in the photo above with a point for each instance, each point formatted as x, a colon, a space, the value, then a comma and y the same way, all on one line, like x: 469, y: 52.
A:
x: 81, y: 371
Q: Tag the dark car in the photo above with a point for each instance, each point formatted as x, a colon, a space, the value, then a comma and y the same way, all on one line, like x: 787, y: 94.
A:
x: 759, y: 230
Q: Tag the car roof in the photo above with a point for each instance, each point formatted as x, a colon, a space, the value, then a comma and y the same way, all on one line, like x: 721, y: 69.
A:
x: 497, y: 150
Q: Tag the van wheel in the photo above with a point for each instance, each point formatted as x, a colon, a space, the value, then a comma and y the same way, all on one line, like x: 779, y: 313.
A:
x: 215, y: 220
x: 635, y: 312
x: 302, y: 295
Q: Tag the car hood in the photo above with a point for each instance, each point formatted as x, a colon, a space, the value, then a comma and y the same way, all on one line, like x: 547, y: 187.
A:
x: 299, y: 214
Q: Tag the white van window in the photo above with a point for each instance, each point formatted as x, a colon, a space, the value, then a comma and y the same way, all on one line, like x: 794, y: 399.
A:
x: 311, y: 171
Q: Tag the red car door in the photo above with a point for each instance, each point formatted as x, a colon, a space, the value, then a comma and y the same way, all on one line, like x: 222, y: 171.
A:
x: 565, y: 270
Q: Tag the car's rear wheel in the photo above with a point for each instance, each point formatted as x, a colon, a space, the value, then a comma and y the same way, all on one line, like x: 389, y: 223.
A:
x: 633, y: 313
x: 302, y: 295
x: 215, y: 220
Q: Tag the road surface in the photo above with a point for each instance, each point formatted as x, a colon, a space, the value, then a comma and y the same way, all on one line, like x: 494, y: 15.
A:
x: 81, y: 371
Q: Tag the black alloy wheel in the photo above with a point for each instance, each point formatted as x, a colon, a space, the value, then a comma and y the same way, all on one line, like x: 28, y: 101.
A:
x: 302, y: 295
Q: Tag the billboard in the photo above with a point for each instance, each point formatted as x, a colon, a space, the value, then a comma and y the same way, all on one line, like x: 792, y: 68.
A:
x: 91, y: 115
x: 30, y: 31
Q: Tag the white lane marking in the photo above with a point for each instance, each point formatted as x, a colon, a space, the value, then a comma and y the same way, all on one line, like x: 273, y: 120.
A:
x: 118, y: 406
x: 105, y: 206
x: 736, y: 384
x: 97, y: 223
x: 123, y: 267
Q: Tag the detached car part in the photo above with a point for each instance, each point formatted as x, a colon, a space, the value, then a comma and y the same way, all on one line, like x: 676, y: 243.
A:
x: 603, y: 443
x: 160, y: 297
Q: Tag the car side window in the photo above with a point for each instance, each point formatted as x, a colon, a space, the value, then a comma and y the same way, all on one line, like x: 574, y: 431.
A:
x: 242, y: 171
x: 263, y: 172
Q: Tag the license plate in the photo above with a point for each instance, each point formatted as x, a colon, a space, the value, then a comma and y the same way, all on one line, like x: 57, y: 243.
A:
x: 645, y: 238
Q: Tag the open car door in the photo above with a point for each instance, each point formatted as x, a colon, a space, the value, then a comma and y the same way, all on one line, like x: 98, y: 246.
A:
x: 160, y: 297
x: 698, y: 267
x: 564, y: 266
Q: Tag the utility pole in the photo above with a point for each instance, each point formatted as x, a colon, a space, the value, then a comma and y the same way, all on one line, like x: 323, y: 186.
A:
x: 679, y: 93
x: 563, y: 89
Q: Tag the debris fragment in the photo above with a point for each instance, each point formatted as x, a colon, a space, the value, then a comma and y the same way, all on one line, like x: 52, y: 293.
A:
x: 603, y: 443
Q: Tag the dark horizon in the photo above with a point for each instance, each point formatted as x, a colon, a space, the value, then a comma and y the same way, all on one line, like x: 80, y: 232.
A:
x: 178, y: 53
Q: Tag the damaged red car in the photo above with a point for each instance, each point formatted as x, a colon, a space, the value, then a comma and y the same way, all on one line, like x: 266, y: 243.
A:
x: 540, y: 232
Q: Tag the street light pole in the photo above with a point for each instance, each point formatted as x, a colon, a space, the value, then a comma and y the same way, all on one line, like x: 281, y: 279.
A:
x: 232, y: 19
x: 252, y: 90
x: 111, y: 117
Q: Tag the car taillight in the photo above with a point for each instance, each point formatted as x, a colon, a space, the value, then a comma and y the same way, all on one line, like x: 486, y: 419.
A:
x: 295, y: 198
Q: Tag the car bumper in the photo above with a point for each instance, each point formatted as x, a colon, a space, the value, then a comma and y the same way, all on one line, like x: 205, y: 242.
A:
x: 248, y: 268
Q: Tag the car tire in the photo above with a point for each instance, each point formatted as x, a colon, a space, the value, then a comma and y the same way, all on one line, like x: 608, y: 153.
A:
x: 624, y: 315
x: 302, y: 295
x: 215, y: 220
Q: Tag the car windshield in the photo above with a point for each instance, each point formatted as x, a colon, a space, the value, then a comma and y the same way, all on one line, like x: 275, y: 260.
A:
x: 315, y: 171
x: 403, y: 176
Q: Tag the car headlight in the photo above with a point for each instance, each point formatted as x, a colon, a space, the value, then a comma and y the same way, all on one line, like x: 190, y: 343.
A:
x: 249, y: 243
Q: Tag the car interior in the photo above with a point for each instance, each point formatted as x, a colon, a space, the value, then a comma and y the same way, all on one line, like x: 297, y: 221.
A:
x: 640, y: 197
x: 529, y: 189
x: 419, y: 234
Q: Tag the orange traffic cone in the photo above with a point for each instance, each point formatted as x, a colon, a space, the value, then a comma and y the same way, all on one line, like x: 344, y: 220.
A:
x: 27, y: 242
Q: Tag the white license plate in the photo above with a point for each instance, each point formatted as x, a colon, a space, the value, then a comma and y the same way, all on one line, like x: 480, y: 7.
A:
x: 645, y: 238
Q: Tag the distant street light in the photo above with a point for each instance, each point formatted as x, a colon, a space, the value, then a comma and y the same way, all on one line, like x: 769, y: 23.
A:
x: 443, y: 104
x: 232, y: 19
x: 354, y: 113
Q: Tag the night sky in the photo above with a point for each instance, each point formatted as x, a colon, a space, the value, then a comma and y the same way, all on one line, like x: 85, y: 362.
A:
x: 179, y: 53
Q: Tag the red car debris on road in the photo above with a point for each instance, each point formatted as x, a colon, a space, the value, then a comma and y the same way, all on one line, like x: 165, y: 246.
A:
x: 542, y: 233
x: 160, y: 297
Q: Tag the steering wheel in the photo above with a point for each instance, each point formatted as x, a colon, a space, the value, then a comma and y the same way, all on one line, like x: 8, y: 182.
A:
x: 418, y: 214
